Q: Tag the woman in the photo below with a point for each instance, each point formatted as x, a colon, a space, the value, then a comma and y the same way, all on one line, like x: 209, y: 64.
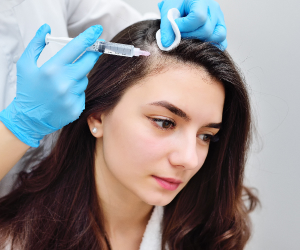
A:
x: 162, y: 136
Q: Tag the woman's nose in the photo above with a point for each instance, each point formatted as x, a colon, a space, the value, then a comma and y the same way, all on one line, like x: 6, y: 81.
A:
x: 185, y: 153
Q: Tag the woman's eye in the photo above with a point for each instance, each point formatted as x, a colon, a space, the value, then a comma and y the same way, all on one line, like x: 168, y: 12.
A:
x: 206, y: 137
x: 164, y: 123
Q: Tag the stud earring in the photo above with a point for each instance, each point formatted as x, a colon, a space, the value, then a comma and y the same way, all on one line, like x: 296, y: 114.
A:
x: 94, y: 130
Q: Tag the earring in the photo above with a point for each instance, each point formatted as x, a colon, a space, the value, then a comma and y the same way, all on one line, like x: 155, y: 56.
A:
x: 94, y: 130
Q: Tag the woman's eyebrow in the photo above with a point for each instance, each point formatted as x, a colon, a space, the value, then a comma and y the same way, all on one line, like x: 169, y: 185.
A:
x: 213, y: 125
x: 175, y: 110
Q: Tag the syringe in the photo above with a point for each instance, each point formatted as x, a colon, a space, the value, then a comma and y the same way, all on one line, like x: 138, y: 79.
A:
x: 104, y: 47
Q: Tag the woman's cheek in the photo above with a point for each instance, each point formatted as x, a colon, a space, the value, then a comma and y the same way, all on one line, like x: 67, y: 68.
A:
x: 146, y: 147
x: 135, y: 147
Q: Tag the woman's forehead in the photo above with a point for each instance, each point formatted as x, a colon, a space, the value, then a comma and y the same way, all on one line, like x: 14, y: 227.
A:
x: 179, y: 82
x: 191, y: 89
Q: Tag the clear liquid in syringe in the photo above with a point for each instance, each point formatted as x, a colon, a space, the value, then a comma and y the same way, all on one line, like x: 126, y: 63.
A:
x: 117, y: 49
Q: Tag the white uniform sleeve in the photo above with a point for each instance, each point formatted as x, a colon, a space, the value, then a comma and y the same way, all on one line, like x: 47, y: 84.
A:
x: 113, y: 15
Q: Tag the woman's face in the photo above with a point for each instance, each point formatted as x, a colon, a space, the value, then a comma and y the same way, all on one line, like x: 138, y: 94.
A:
x: 160, y: 129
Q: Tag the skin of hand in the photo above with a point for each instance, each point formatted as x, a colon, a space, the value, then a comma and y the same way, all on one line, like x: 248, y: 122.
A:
x: 200, y: 19
x: 51, y: 96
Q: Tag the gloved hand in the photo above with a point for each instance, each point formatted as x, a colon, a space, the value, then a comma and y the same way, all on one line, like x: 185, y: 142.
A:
x: 201, y: 19
x: 51, y: 96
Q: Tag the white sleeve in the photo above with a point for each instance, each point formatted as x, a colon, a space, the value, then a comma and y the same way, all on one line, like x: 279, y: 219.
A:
x: 113, y: 15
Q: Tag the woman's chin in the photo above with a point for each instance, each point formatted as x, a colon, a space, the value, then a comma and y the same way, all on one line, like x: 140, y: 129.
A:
x: 159, y: 199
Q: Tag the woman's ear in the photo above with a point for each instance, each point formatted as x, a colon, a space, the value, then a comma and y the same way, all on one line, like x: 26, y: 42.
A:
x: 96, y: 126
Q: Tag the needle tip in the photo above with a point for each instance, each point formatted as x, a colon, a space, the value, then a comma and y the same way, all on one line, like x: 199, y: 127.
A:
x: 144, y: 53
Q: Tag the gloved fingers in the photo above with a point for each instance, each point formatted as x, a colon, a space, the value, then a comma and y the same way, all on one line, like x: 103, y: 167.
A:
x: 202, y: 33
x: 167, y: 33
x: 84, y: 64
x: 219, y: 34
x: 166, y: 30
x: 79, y: 87
x: 73, y: 49
x: 36, y: 46
x: 197, y: 15
x: 160, y: 4
x: 223, y: 45
x: 78, y: 107
x: 220, y: 31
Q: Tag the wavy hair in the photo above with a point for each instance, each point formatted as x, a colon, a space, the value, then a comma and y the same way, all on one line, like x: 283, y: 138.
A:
x: 56, y: 206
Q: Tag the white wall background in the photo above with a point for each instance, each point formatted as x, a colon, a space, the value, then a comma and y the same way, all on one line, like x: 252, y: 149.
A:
x: 263, y: 38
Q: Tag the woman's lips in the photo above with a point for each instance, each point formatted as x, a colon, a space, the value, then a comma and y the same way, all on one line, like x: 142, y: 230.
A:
x: 167, y: 183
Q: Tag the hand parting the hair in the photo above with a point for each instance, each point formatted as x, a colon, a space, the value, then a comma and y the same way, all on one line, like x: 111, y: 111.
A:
x: 51, y: 96
x: 200, y: 19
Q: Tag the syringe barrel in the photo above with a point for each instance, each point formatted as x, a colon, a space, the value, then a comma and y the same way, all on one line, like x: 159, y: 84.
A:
x: 112, y: 48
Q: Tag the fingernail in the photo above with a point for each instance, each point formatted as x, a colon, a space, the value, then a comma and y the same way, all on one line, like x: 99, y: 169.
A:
x: 160, y: 5
x: 165, y: 42
x: 41, y: 29
x: 98, y: 29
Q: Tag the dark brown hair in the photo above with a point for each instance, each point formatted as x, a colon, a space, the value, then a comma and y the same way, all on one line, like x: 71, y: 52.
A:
x: 55, y: 206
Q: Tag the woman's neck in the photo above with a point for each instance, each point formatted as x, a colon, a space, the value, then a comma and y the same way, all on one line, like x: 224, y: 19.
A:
x: 124, y: 217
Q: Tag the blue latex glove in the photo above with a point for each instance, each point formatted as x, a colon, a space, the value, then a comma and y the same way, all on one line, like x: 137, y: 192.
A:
x: 51, y: 96
x: 201, y: 19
